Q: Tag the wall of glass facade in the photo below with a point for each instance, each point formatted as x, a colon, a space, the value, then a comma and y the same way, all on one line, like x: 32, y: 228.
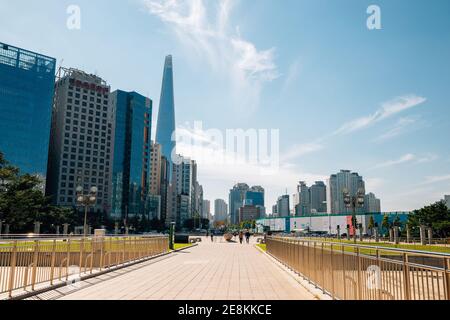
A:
x: 131, y: 167
x: 26, y: 92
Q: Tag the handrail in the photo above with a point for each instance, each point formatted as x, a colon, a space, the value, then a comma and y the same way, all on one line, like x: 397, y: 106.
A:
x: 346, y: 272
x: 364, y: 246
x: 49, y: 259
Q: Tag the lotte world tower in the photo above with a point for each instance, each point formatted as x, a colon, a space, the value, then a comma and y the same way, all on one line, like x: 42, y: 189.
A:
x: 166, y: 117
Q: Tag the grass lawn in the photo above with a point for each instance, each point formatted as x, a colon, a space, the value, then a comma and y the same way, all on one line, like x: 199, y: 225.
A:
x: 179, y: 246
x: 262, y: 246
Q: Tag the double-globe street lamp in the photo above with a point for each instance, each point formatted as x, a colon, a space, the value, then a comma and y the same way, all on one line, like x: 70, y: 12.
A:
x: 86, y: 200
x: 354, y: 202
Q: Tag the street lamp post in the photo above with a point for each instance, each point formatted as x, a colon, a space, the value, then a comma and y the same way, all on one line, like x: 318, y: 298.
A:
x: 86, y: 200
x: 354, y: 202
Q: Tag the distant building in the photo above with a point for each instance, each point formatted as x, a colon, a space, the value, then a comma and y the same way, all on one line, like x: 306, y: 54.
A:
x: 255, y: 196
x: 303, y: 198
x: 318, y: 197
x: 236, y: 201
x: 27, y: 81
x: 372, y: 204
x: 220, y: 211
x: 447, y: 201
x: 249, y: 213
x: 131, y: 161
x: 81, y: 143
x: 206, y: 212
x: 283, y: 206
x: 345, y: 179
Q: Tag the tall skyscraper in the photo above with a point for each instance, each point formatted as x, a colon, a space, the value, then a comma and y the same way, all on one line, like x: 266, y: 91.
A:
x: 81, y: 142
x: 220, y: 211
x: 372, y: 204
x: 27, y: 82
x: 283, y: 207
x: 166, y: 116
x: 318, y: 197
x: 340, y: 181
x: 447, y: 201
x: 236, y: 201
x: 132, y: 148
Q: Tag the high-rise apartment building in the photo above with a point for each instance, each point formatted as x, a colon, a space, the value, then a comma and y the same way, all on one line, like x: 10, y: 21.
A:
x: 372, y: 204
x: 345, y: 179
x: 81, y: 143
x: 303, y: 198
x: 132, y: 148
x: 155, y: 169
x: 206, y: 209
x: 220, y: 211
x: 27, y: 82
x: 166, y: 115
x: 182, y: 192
x: 283, y: 207
x: 318, y: 197
x: 236, y: 201
x: 447, y: 201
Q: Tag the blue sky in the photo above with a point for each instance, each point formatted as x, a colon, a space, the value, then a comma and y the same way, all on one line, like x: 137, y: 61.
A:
x: 342, y: 96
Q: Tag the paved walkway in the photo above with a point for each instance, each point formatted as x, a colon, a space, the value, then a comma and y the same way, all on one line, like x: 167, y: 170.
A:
x: 209, y: 271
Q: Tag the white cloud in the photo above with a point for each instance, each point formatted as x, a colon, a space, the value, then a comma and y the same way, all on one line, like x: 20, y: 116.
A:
x: 292, y: 75
x: 206, y: 30
x: 435, y: 179
x: 301, y: 150
x: 428, y: 158
x: 388, y: 109
x: 402, y: 126
x: 404, y: 159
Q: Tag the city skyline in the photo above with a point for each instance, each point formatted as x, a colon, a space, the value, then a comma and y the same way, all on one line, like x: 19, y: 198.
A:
x: 385, y: 125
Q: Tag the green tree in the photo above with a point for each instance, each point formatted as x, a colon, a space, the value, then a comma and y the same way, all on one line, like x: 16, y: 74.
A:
x: 436, y: 216
x: 22, y: 202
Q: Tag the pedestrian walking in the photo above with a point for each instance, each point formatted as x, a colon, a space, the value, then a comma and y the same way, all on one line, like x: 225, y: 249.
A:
x: 241, y: 237
x: 247, y: 237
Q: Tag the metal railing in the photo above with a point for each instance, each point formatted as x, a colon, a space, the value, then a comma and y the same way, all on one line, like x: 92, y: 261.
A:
x: 26, y: 264
x: 357, y: 272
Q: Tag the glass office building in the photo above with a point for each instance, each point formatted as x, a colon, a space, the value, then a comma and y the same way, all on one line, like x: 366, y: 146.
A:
x: 166, y: 115
x: 132, y: 154
x: 27, y: 82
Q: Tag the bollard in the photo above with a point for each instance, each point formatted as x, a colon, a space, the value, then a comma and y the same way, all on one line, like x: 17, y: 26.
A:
x: 396, y: 238
x: 348, y: 233
x: 423, y: 239
x: 377, y: 235
x: 408, y: 234
x: 339, y: 232
x: 65, y: 229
